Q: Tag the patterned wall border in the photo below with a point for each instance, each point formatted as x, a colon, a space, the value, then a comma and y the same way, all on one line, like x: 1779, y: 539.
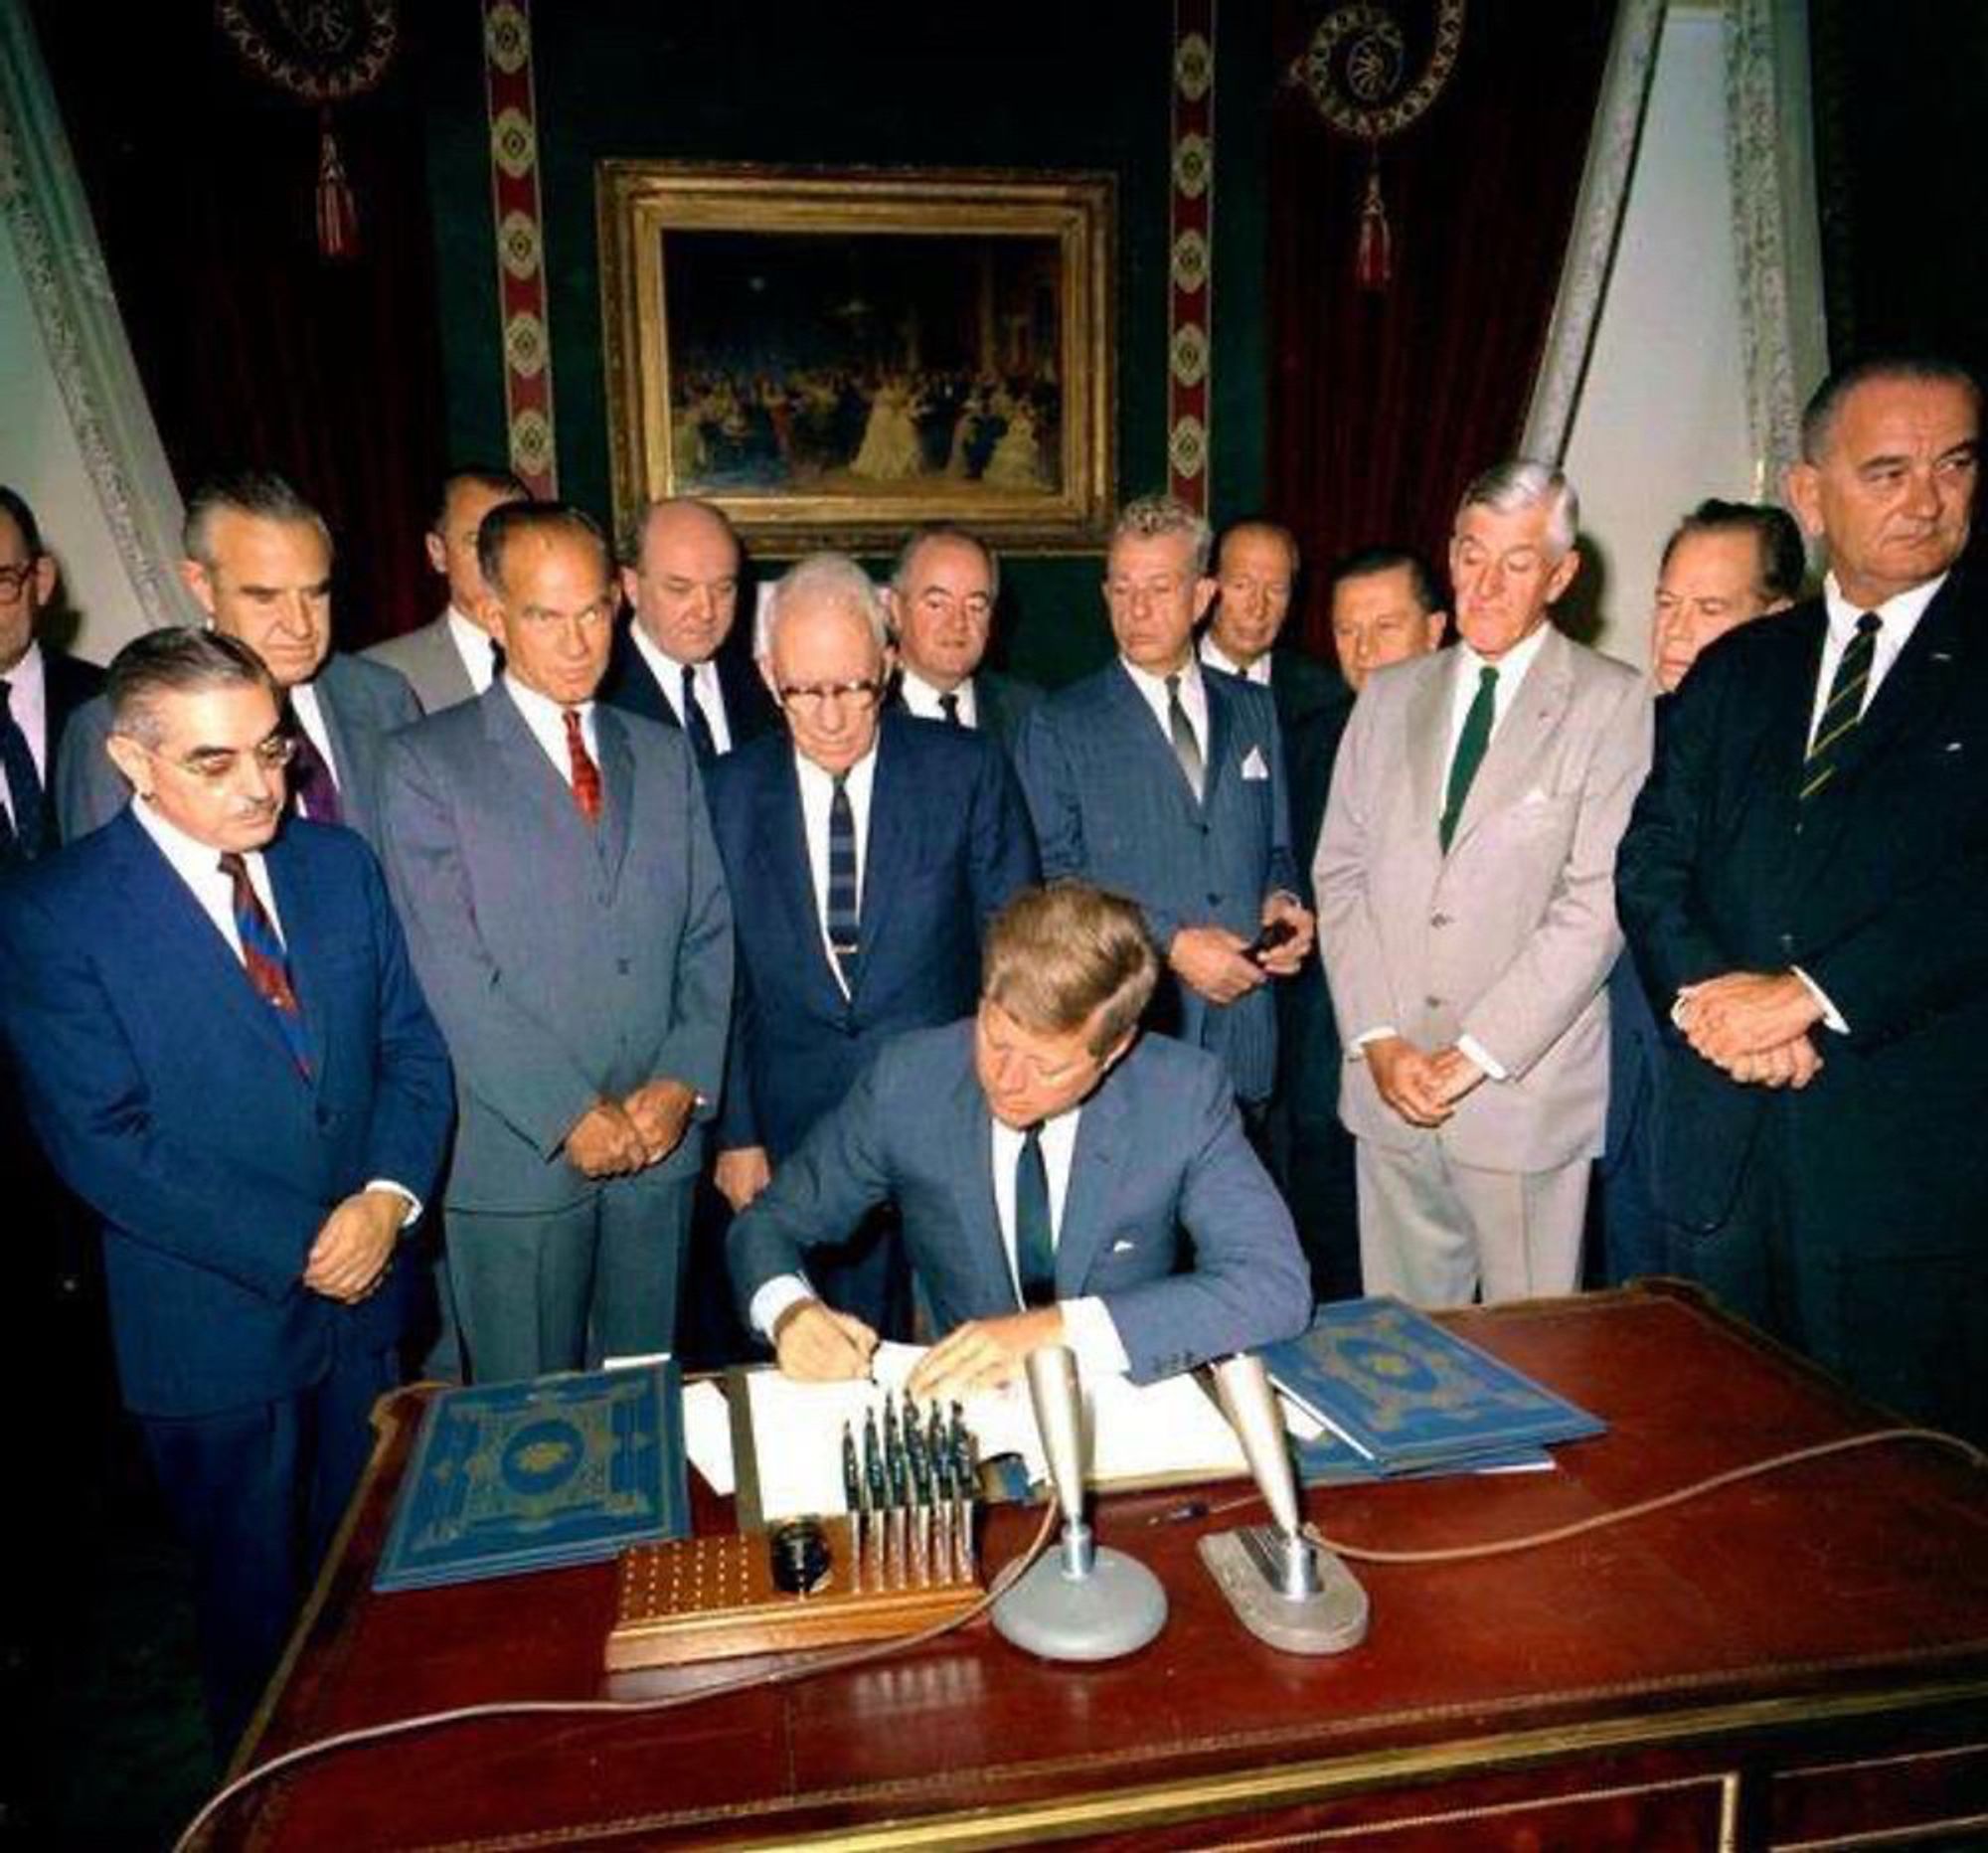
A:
x: 1191, y: 251
x: 520, y: 242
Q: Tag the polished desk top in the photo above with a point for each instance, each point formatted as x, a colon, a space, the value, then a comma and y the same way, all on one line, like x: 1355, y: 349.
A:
x: 1853, y: 1585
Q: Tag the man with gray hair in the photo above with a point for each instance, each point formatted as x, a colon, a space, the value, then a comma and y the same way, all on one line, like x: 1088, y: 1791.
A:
x: 1465, y: 881
x: 259, y: 563
x: 942, y: 603
x: 1163, y: 779
x: 865, y: 851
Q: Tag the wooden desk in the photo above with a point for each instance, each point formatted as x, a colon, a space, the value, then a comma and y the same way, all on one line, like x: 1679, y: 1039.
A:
x: 1797, y: 1661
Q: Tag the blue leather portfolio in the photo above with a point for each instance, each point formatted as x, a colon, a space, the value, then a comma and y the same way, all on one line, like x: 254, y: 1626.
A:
x: 1407, y: 1396
x: 516, y: 1476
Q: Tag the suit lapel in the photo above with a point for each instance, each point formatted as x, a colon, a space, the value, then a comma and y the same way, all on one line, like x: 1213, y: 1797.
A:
x: 350, y: 805
x: 785, y: 834
x: 1123, y: 696
x: 1528, y: 727
x: 548, y: 796
x: 1221, y: 724
x: 1427, y: 721
x: 970, y: 1141
x: 1093, y: 1182
x: 300, y: 915
x: 889, y: 847
x: 618, y: 782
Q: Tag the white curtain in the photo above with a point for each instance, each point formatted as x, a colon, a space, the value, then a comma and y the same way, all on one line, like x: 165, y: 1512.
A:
x: 82, y: 445
x: 1771, y: 152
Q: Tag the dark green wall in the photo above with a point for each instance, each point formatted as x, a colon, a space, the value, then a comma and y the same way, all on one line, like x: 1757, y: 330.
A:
x: 1086, y: 85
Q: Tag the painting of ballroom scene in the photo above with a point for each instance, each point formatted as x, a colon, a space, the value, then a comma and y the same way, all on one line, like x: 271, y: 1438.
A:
x: 872, y: 364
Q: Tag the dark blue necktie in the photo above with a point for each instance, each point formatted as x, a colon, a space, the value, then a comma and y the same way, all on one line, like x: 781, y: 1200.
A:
x: 1844, y: 708
x: 843, y: 935
x: 948, y: 708
x: 702, y: 740
x: 1035, y: 1240
x: 23, y: 782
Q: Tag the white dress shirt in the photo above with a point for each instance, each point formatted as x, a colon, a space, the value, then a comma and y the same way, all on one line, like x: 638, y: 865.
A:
x: 669, y: 674
x: 1087, y: 1325
x: 1192, y: 697
x: 28, y: 701
x: 923, y: 700
x: 547, y: 719
x: 198, y: 865
x: 475, y: 645
x: 1216, y: 657
x: 817, y: 794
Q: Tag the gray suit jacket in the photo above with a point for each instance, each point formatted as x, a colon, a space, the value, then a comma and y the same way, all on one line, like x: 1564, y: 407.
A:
x: 363, y: 703
x: 432, y: 663
x: 565, y: 962
x: 1170, y: 1217
x: 1508, y: 939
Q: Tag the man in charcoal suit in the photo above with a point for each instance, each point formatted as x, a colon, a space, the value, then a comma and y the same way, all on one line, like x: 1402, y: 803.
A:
x: 942, y: 603
x: 259, y: 563
x: 1805, y: 885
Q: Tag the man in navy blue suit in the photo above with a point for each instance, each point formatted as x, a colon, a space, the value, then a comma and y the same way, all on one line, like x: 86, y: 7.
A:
x: 1063, y: 1179
x: 1162, y: 779
x: 226, y: 1053
x: 939, y: 841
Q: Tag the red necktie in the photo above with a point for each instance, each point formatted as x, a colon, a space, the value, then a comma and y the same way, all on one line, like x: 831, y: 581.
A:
x: 263, y: 958
x: 585, y: 774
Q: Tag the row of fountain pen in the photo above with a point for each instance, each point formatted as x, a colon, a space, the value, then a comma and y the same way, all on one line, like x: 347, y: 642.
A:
x: 910, y: 1496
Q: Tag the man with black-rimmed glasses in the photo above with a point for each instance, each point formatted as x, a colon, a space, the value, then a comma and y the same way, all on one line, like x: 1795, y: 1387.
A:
x: 865, y: 852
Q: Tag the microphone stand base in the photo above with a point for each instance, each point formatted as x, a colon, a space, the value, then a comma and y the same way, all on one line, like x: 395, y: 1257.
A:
x: 1329, y: 1621
x: 1116, y: 1610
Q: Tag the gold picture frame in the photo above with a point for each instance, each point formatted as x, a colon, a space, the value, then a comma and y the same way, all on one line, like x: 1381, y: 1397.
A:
x: 833, y: 357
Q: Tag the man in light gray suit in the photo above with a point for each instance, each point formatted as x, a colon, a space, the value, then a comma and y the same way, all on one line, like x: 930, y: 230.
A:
x: 453, y: 658
x: 259, y: 563
x: 1063, y: 1179
x: 1466, y: 906
x: 555, y: 871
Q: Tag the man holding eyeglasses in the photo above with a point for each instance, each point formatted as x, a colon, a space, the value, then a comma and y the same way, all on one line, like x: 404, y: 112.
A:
x: 554, y: 866
x: 259, y: 563
x: 865, y: 852
x: 1164, y: 780
x: 226, y: 1055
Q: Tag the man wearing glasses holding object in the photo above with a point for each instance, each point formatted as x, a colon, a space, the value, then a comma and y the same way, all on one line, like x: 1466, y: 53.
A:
x: 865, y: 852
x: 564, y: 904
x: 224, y: 1053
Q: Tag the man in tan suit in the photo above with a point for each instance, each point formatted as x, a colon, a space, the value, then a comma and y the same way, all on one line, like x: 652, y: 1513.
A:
x: 1465, y: 879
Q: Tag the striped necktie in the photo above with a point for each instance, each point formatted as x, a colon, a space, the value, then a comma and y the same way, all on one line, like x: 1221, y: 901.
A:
x: 844, y: 937
x: 264, y: 960
x: 1843, y: 709
x: 1035, y: 1240
x: 585, y: 774
x: 1187, y: 749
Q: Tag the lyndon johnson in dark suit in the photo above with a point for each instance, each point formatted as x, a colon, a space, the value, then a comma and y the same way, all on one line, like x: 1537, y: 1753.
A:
x: 940, y: 840
x: 1061, y: 1178
x: 1805, y: 885
x: 226, y: 1053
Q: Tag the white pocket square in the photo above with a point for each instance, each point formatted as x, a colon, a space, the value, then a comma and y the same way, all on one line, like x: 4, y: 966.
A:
x: 1123, y: 1246
x: 1252, y: 764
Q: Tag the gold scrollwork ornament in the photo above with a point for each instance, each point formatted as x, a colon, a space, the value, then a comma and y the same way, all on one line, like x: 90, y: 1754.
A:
x: 1353, y: 67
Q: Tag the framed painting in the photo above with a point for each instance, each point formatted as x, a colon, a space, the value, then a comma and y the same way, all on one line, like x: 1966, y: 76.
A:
x: 834, y: 357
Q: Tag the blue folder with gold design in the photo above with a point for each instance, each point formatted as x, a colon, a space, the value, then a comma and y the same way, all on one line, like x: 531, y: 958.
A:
x: 532, y: 1475
x: 1408, y: 1395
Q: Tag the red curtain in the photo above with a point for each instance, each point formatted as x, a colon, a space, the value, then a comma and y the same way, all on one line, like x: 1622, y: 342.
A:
x: 252, y: 350
x: 1385, y: 403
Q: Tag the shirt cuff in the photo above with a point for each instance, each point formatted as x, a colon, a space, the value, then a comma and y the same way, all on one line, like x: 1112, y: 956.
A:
x: 1092, y: 1334
x: 1831, y: 1016
x: 1489, y: 1063
x: 774, y: 1297
x: 399, y: 1190
x: 1365, y: 1037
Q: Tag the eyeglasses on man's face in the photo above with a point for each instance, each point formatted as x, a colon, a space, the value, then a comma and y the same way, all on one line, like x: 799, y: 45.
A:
x: 810, y: 698
x: 14, y: 581
x: 215, y: 765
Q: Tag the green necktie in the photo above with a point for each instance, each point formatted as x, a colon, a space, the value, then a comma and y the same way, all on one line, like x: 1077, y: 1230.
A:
x: 1470, y: 744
